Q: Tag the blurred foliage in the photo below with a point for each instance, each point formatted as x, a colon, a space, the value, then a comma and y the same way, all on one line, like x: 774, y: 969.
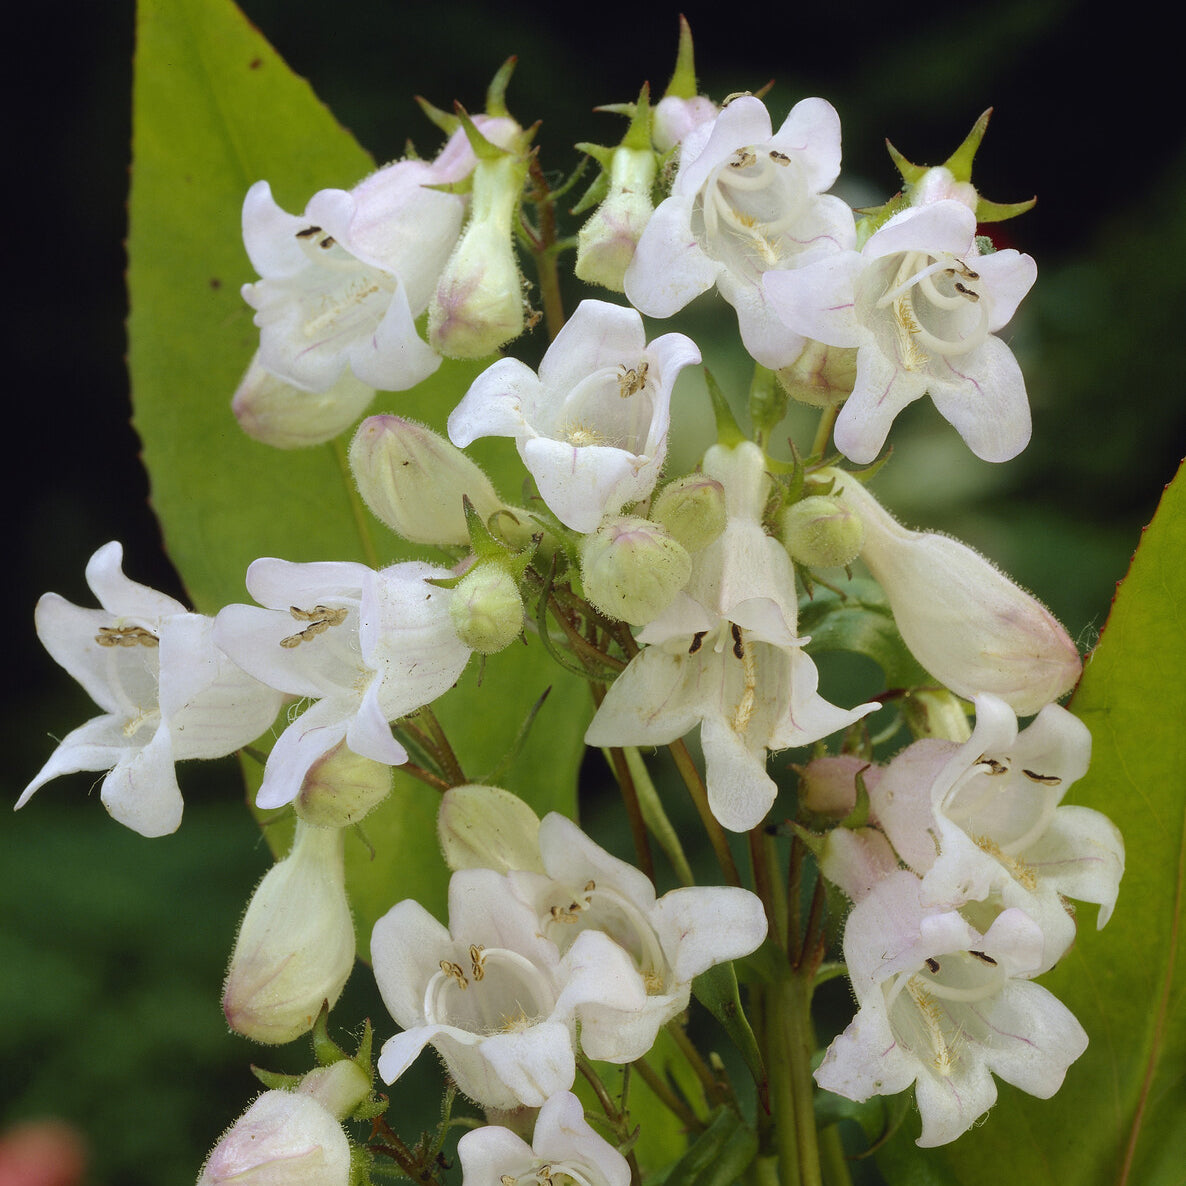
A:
x: 112, y: 947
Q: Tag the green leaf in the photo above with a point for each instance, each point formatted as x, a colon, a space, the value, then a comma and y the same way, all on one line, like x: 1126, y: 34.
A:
x: 1119, y: 1116
x: 214, y: 110
x: 717, y: 991
x: 860, y: 621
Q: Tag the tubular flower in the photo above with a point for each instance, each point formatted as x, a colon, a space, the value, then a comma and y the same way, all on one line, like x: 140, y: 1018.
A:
x: 744, y: 202
x: 970, y: 626
x: 368, y: 647
x: 592, y: 426
x: 671, y: 939
x: 342, y: 284
x: 491, y: 993
x: 563, y: 1149
x: 725, y: 655
x: 923, y: 308
x: 166, y: 691
x: 946, y: 1007
x: 983, y: 819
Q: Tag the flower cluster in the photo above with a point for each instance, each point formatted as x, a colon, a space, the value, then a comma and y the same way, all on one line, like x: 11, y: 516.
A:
x: 677, y: 596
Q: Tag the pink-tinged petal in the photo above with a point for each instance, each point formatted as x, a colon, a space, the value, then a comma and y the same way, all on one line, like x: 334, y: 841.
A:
x: 581, y: 485
x: 312, y: 735
x: 817, y: 299
x: 98, y: 745
x: 901, y: 800
x: 983, y: 396
x: 1082, y: 855
x: 812, y: 131
x: 598, y: 334
x: 942, y: 226
x: 740, y: 792
x: 866, y: 1060
x: 496, y: 404
x: 393, y: 357
x: 407, y: 945
x: 141, y: 792
x: 856, y: 859
x: 702, y: 926
x: 950, y: 1105
x: 882, y: 390
x: 122, y: 596
x: 534, y: 1064
x: 669, y: 268
x: 269, y: 234
x: 1008, y: 276
x: 563, y: 1134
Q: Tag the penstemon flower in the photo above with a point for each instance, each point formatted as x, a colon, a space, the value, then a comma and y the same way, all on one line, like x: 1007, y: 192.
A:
x: 922, y: 306
x: 166, y: 691
x: 746, y: 200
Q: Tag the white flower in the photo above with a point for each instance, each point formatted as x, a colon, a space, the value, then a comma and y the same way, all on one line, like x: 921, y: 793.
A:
x: 946, y: 1007
x: 671, y: 939
x: 725, y: 655
x: 983, y: 819
x: 592, y: 426
x: 745, y: 201
x: 342, y: 284
x: 676, y: 118
x: 922, y: 307
x: 563, y: 1148
x: 295, y: 947
x: 166, y: 692
x: 491, y: 993
x: 970, y: 626
x: 368, y: 647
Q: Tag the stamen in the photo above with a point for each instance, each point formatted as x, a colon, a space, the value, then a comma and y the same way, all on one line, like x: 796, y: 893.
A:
x: 697, y: 640
x: 632, y: 381
x: 308, y: 232
x: 126, y: 636
x: 320, y: 619
x: 1047, y: 780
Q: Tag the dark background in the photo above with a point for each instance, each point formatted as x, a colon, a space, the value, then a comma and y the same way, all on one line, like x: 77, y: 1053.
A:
x: 112, y: 947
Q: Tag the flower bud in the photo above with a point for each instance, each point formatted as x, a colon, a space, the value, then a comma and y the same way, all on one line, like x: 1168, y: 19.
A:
x: 487, y: 609
x: 970, y: 626
x: 691, y: 510
x: 413, y: 480
x: 676, y: 117
x: 275, y: 412
x: 631, y: 569
x: 935, y: 712
x: 478, y: 305
x: 339, y: 1088
x: 821, y: 532
x: 606, y: 242
x: 286, y: 1138
x: 828, y: 785
x: 939, y: 183
x: 822, y: 376
x: 484, y: 827
x: 341, y: 787
x: 295, y: 947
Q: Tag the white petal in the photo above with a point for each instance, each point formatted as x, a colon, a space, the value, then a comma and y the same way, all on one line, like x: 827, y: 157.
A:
x: 669, y: 268
x: 141, y: 792
x: 703, y: 926
x: 496, y: 403
x: 312, y: 735
x: 534, y: 1064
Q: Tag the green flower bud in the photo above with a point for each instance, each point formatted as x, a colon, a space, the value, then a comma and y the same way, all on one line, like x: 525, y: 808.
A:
x: 631, y: 569
x: 691, y: 510
x: 484, y: 827
x: 822, y: 376
x: 413, y: 480
x: 338, y: 1088
x: 487, y: 609
x: 820, y: 532
x: 606, y: 243
x: 340, y: 788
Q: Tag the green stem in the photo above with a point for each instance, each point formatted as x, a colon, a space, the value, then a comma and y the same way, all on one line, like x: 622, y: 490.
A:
x: 833, y: 1159
x: 656, y: 818
x: 823, y: 432
x: 699, y: 793
x: 357, y: 509
x: 450, y: 766
x: 545, y: 254
x: 794, y: 1013
x: 782, y: 1089
x: 638, y: 828
x: 667, y: 1097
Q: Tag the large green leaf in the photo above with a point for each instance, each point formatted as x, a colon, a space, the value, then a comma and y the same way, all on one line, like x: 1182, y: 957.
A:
x: 1120, y: 1118
x: 215, y: 109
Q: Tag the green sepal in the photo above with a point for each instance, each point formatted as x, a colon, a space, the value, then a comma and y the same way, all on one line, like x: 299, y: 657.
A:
x: 728, y: 431
x: 445, y: 120
x: 717, y: 991
x: 637, y: 137
x: 325, y: 1049
x: 911, y: 174
x: 276, y: 1080
x: 484, y: 149
x: 683, y: 78
x: 960, y: 161
x: 987, y: 211
x: 496, y: 92
x: 767, y: 402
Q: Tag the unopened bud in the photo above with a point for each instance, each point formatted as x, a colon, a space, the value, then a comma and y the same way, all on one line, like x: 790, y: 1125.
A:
x: 478, y: 305
x: 286, y: 1138
x: 606, y: 242
x: 828, y: 785
x: 413, y: 480
x: 935, y: 712
x: 691, y: 510
x: 295, y: 947
x: 676, y: 117
x: 275, y: 412
x: 631, y: 569
x: 938, y: 184
x: 487, y: 609
x: 484, y: 827
x: 822, y: 376
x: 339, y: 1088
x: 970, y: 626
x: 821, y: 532
x: 341, y: 787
